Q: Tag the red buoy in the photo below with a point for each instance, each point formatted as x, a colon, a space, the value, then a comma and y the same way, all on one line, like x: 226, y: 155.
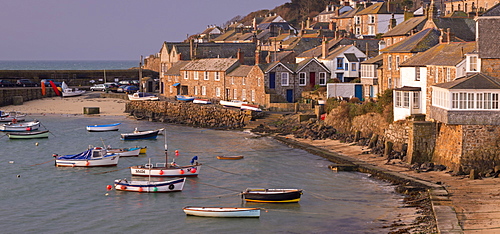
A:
x: 108, y: 187
x: 161, y: 172
x: 193, y: 170
x: 181, y: 172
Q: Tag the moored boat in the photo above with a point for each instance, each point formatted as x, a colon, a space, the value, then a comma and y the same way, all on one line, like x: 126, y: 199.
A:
x: 125, y: 152
x: 28, y: 135
x: 235, y: 157
x: 20, y: 127
x: 93, y: 157
x: 272, y: 195
x: 250, y: 107
x: 103, y: 127
x: 232, y: 103
x: 69, y: 92
x: 201, y: 101
x: 140, y: 135
x: 184, y: 98
x: 143, y: 149
x: 13, y: 116
x: 150, y: 186
x: 142, y: 96
x: 222, y: 212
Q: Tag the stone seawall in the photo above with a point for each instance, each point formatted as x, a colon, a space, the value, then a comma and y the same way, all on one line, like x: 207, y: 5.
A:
x: 7, y: 95
x: 205, y: 116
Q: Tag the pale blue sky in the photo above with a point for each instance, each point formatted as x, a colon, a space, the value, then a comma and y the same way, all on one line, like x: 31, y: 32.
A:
x: 108, y: 29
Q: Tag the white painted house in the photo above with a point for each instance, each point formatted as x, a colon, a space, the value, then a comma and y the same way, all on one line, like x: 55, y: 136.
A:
x: 344, y: 62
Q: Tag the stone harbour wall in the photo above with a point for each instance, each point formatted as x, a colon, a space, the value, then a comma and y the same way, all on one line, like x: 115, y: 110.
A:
x: 187, y: 113
x: 7, y: 95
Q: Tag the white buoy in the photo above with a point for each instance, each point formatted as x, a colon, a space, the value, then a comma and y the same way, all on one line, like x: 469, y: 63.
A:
x: 18, y: 176
x: 11, y: 162
x: 107, y: 194
x: 36, y: 144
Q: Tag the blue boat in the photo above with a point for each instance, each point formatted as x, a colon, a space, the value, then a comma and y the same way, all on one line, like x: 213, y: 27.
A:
x: 184, y: 98
x: 103, y: 128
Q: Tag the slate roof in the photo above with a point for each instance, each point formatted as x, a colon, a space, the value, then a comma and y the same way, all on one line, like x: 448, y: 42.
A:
x: 441, y: 55
x: 351, y: 57
x: 379, y: 59
x: 406, y: 27
x: 489, y: 37
x: 380, y: 8
x: 305, y: 62
x: 476, y: 81
x: 462, y: 28
x: 282, y: 25
x: 175, y: 70
x: 213, y: 50
x: 211, y: 64
x: 493, y: 11
x: 419, y: 42
x: 337, y: 51
x: 241, y: 71
x: 333, y: 44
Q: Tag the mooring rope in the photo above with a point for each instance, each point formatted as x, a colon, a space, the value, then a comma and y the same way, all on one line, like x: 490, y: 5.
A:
x: 215, y: 186
x: 221, y: 170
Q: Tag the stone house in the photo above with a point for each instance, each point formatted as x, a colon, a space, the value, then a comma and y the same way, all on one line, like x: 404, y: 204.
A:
x: 468, y: 6
x: 245, y: 83
x: 377, y: 19
x: 344, y: 23
x: 487, y: 57
x: 396, y: 54
x: 344, y: 62
x: 404, y: 30
x: 330, y: 12
x: 171, y: 80
x: 442, y: 63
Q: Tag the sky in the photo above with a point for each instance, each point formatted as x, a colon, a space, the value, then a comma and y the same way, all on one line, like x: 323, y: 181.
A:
x: 108, y: 29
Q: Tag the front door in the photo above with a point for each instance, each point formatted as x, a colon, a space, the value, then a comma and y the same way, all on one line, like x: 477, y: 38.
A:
x: 289, y: 95
x: 312, y: 79
x: 184, y: 90
x: 228, y: 95
x: 272, y: 80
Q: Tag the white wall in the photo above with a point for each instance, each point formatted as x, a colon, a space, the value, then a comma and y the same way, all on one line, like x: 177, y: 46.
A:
x: 340, y: 89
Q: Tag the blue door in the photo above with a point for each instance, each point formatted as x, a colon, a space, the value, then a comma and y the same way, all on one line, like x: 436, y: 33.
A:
x: 289, y: 95
x: 358, y: 92
x: 272, y: 80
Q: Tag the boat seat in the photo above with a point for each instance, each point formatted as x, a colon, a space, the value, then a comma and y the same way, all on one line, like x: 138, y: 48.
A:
x: 161, y: 164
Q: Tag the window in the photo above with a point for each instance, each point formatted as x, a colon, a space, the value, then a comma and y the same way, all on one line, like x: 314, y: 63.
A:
x: 322, y: 78
x: 358, y: 30
x: 186, y: 75
x: 171, y: 88
x: 417, y: 73
x: 195, y: 75
x: 479, y: 102
x: 416, y: 100
x: 448, y: 74
x: 346, y: 67
x: 397, y: 103
x: 244, y: 94
x: 397, y: 62
x: 203, y: 91
x: 302, y: 79
x: 353, y: 66
x: 371, y: 19
x: 217, y: 76
x: 340, y: 63
x: 253, y: 95
x: 195, y: 90
x: 406, y: 99
x: 235, y: 94
x: 258, y: 82
x: 243, y: 80
x: 284, y: 79
x: 357, y: 19
x: 371, y: 30
x: 217, y: 91
x: 473, y: 63
x: 205, y: 75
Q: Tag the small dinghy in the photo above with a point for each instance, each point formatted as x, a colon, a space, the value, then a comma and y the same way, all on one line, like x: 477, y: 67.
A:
x: 28, y: 135
x: 103, y: 127
x: 235, y: 157
x: 222, y: 212
x: 272, y: 195
x: 140, y: 135
x: 146, y: 186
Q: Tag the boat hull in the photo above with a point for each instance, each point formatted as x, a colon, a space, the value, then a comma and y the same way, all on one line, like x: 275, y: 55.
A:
x: 107, y: 161
x: 126, y: 152
x: 73, y: 93
x: 272, y: 195
x: 142, y: 97
x: 222, y: 212
x: 140, y: 136
x: 150, y: 186
x: 103, y: 128
x: 28, y: 135
x: 20, y: 127
x: 143, y: 170
x: 233, y: 103
x: 184, y: 98
x: 230, y: 157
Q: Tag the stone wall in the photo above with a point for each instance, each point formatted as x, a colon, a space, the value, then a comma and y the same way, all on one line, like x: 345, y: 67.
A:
x: 398, y: 134
x: 7, y: 94
x: 421, y: 141
x: 187, y: 113
x: 449, y: 141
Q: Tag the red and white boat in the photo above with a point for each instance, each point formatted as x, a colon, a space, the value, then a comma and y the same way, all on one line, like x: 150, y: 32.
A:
x: 147, y: 186
x: 232, y: 103
x: 201, y: 101
x: 93, y: 157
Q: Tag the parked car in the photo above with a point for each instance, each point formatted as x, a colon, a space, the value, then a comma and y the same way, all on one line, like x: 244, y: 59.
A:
x: 47, y: 82
x: 111, y: 87
x: 98, y: 87
x: 130, y: 89
x: 121, y: 89
x: 26, y: 83
x: 6, y: 83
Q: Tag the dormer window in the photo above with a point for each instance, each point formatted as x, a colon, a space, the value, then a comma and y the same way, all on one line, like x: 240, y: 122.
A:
x: 473, y: 63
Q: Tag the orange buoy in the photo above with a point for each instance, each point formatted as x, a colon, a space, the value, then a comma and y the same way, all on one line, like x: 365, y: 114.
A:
x: 108, y: 187
x: 140, y: 189
x: 87, y: 163
x: 161, y: 172
x: 181, y: 172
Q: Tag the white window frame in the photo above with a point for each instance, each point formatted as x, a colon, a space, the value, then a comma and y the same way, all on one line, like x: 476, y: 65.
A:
x: 203, y: 90
x: 285, y: 79
x: 243, y: 80
x: 205, y: 75
x: 186, y: 75
x: 243, y: 94
x: 217, y: 91
x: 253, y: 95
x: 302, y: 79
x: 195, y: 75
x: 217, y: 76
x: 322, y: 78
x: 235, y: 94
x: 195, y: 90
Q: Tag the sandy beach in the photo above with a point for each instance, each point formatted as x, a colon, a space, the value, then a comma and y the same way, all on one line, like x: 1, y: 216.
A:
x: 70, y: 105
x: 474, y: 201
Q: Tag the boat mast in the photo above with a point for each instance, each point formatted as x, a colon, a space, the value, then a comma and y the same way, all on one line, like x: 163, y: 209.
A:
x: 140, y: 75
x: 166, y: 148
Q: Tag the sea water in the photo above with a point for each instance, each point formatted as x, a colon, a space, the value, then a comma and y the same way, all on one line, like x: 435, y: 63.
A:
x: 68, y: 64
x: 38, y: 197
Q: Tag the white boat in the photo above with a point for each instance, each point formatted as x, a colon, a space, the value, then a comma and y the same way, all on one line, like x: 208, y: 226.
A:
x: 167, y: 170
x: 140, y: 135
x: 13, y: 117
x: 150, y: 186
x: 201, y: 101
x: 250, y: 107
x: 184, y: 98
x: 222, y: 212
x: 103, y: 127
x: 20, y: 127
x: 142, y: 96
x: 28, y: 135
x: 232, y: 103
x: 93, y: 157
x: 125, y: 152
x: 69, y: 92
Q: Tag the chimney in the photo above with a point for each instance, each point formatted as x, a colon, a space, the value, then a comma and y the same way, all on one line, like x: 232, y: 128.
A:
x: 331, y: 25
x: 179, y: 57
x: 388, y: 6
x: 308, y: 23
x: 392, y: 22
x: 257, y: 56
x: 324, y: 49
x: 240, y: 57
x: 441, y: 37
x: 191, y: 52
x: 448, y: 36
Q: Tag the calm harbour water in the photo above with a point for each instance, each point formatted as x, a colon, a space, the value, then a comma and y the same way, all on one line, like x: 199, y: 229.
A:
x: 47, y: 199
